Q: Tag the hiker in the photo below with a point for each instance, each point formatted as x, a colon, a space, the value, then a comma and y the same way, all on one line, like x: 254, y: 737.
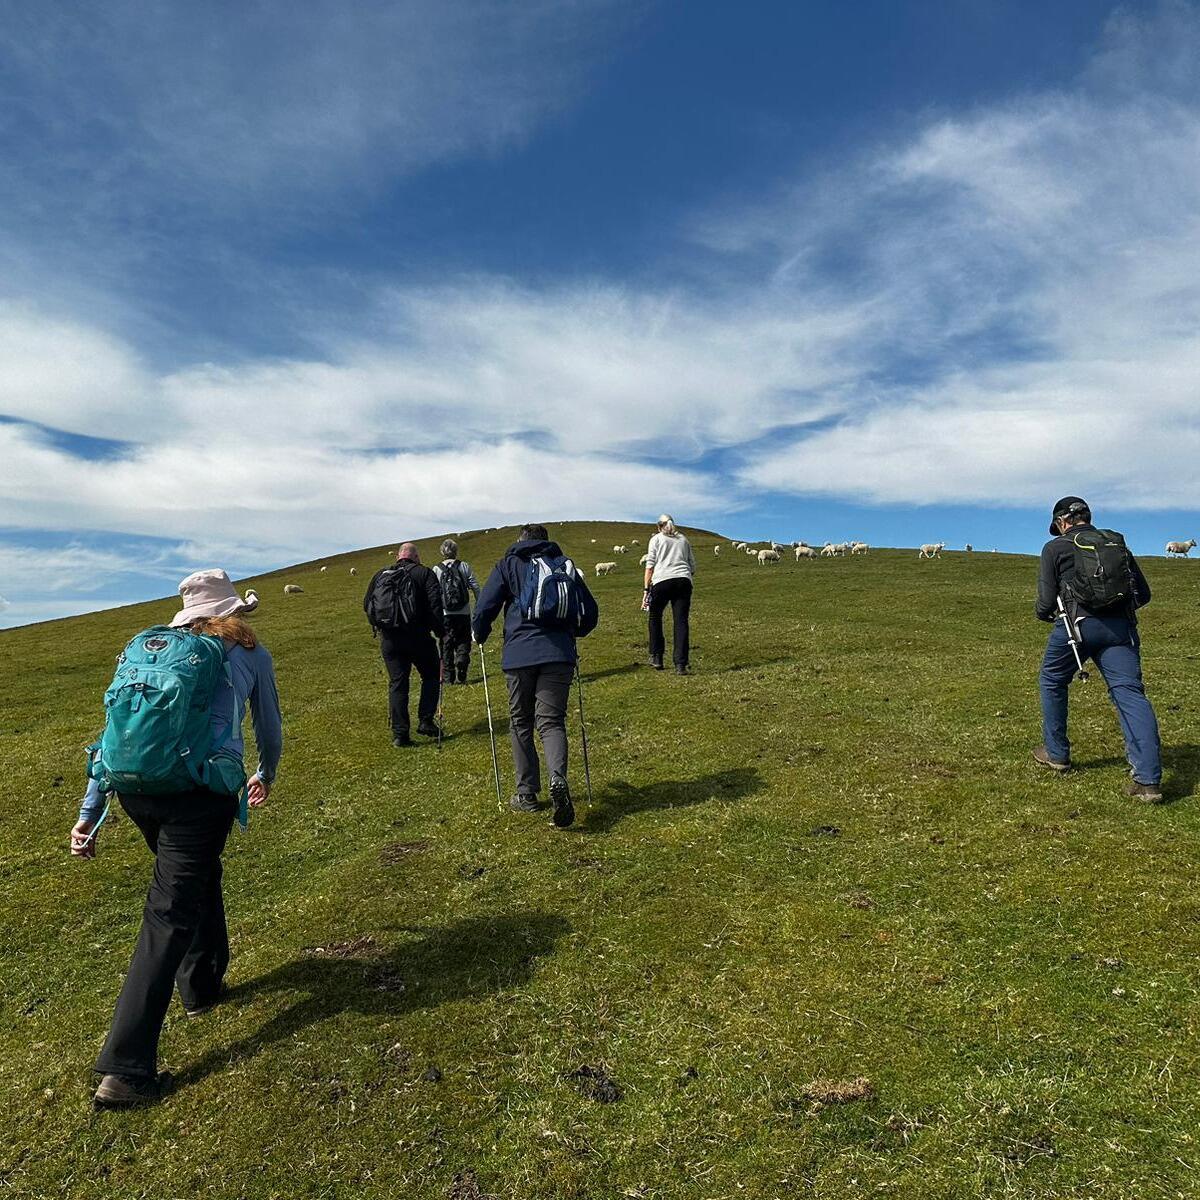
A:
x: 670, y: 566
x: 1101, y: 587
x: 458, y: 584
x: 546, y: 606
x: 184, y: 806
x: 404, y: 607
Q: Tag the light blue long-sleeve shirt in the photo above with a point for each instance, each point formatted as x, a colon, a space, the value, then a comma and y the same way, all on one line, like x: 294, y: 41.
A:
x: 252, y: 674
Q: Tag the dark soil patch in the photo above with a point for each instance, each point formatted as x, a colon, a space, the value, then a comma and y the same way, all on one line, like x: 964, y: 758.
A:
x: 471, y: 870
x: 363, y: 944
x: 431, y: 1074
x: 595, y: 1083
x: 400, y: 850
x: 825, y: 831
x: 862, y: 902
x: 465, y: 1186
x: 689, y: 1073
x: 838, y: 1091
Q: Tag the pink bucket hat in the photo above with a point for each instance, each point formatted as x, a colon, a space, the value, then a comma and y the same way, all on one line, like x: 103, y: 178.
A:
x: 211, y: 594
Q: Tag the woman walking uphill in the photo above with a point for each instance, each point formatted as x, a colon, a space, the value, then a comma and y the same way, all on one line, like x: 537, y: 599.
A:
x: 198, y: 674
x: 670, y: 566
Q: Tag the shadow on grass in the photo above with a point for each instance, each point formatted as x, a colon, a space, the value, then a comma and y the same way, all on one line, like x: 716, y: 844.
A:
x: 626, y: 669
x: 1181, y: 769
x: 465, y: 960
x: 620, y: 799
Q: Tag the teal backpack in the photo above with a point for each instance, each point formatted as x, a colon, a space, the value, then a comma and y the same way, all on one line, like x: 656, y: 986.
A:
x: 158, y: 729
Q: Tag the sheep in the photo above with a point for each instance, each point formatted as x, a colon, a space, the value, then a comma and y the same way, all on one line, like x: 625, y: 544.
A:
x: 778, y: 547
x: 620, y: 549
x: 605, y: 568
x: 805, y: 552
x: 634, y: 542
x: 593, y: 541
x: 353, y: 570
x: 717, y: 551
x: 750, y: 550
x: 292, y: 589
x: 643, y: 560
x: 931, y: 550
x: 767, y: 556
x: 859, y: 548
x: 1183, y: 549
x: 969, y: 548
x: 324, y: 569
x: 828, y: 550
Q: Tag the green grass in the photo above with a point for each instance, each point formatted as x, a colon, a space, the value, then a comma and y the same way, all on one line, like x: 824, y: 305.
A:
x: 1009, y: 957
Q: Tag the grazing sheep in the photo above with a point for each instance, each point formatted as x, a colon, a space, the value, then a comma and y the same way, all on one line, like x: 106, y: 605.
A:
x: 593, y: 541
x: 643, y: 560
x: 767, y: 556
x: 828, y: 550
x: 717, y: 550
x: 778, y: 547
x: 292, y: 589
x: 969, y: 548
x: 1183, y: 549
x: 353, y: 570
x: 805, y: 552
x: 634, y: 542
x: 859, y: 548
x: 750, y: 550
x: 324, y: 569
x: 620, y: 549
x: 605, y: 568
x: 931, y: 550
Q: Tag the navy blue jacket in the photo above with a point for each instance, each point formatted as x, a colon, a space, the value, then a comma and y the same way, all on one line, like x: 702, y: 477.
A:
x: 527, y: 644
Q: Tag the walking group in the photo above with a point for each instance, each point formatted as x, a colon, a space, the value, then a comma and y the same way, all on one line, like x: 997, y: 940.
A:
x: 172, y: 750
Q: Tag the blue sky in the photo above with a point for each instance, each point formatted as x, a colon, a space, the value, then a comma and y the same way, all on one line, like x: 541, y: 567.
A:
x: 281, y: 280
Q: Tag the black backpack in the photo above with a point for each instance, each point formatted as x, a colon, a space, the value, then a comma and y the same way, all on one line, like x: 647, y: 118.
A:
x: 1102, y: 580
x: 454, y: 587
x: 391, y: 601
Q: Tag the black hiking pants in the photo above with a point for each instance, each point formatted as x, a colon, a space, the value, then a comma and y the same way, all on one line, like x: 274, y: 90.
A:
x: 678, y: 594
x: 183, y: 940
x: 402, y: 652
x: 456, y: 648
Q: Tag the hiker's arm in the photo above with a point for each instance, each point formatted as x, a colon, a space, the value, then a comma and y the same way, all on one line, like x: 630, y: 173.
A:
x: 367, y: 595
x: 433, y: 597
x: 90, y: 811
x: 472, y: 582
x: 1047, y: 586
x: 651, y: 561
x: 487, y: 608
x: 691, y: 557
x: 267, y: 719
x: 589, y: 617
x: 1141, y: 588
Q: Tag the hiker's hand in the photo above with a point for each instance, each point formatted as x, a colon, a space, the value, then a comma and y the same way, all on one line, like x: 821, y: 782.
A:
x: 83, y: 846
x: 258, y: 792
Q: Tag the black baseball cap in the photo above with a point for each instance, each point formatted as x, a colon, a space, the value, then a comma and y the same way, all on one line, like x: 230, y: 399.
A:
x: 1068, y: 506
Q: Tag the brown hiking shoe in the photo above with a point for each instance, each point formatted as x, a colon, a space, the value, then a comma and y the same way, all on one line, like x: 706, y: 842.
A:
x: 1042, y: 755
x: 1150, y: 793
x: 117, y: 1091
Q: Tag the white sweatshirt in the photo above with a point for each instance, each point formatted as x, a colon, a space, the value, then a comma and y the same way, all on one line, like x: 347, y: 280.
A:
x: 670, y: 558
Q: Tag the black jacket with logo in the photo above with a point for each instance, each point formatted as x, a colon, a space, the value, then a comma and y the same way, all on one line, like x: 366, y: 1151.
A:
x: 1058, y: 564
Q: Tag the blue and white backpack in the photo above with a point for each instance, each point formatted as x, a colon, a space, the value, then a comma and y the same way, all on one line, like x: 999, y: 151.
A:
x: 551, y: 593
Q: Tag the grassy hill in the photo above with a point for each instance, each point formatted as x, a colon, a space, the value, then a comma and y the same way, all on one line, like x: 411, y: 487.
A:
x: 826, y: 856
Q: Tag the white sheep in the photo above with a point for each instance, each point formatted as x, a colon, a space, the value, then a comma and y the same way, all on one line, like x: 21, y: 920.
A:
x: 353, y: 570
x: 778, y: 547
x: 620, y: 549
x: 931, y: 550
x: 292, y: 589
x: 643, y: 560
x: 767, y: 556
x: 324, y: 569
x: 828, y: 550
x: 717, y: 550
x: 605, y: 568
x: 1183, y: 549
x: 750, y: 550
x: 593, y: 541
x: 803, y: 551
x: 634, y: 542
x: 859, y: 548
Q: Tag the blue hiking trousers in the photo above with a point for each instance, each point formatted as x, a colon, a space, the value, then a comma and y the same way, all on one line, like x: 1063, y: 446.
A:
x: 1112, y: 643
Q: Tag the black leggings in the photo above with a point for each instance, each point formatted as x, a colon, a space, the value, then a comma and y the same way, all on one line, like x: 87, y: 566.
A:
x: 678, y: 594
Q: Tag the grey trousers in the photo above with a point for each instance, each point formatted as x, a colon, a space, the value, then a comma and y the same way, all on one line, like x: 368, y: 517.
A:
x: 537, y: 697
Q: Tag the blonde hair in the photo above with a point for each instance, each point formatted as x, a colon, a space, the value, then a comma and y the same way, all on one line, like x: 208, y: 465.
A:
x: 232, y: 629
x: 666, y: 524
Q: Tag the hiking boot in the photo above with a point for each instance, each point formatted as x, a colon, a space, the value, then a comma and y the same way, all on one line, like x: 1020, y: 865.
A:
x: 117, y: 1091
x: 1150, y: 793
x: 428, y: 728
x: 525, y: 802
x: 560, y: 801
x: 401, y: 740
x: 198, y: 1010
x: 682, y: 669
x: 1042, y: 756
x: 656, y: 663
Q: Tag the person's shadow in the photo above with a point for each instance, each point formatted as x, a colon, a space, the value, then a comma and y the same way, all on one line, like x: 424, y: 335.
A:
x: 621, y: 799
x: 464, y: 960
x: 1181, y: 769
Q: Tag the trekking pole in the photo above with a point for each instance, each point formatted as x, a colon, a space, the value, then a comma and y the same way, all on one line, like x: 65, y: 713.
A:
x: 587, y: 770
x: 491, y: 731
x: 441, y: 714
x: 1072, y: 637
